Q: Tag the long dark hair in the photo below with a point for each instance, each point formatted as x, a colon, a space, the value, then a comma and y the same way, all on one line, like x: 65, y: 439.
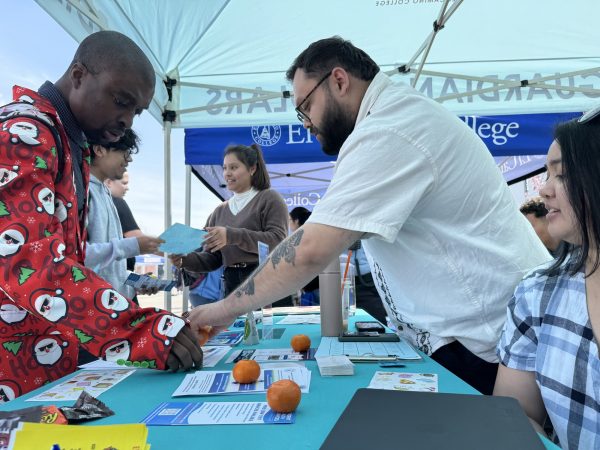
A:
x: 580, y: 155
x: 251, y: 156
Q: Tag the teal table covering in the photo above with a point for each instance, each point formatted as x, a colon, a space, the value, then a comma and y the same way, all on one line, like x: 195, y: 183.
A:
x: 133, y: 398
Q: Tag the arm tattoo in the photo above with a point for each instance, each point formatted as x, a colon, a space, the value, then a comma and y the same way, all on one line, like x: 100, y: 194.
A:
x: 246, y: 289
x: 286, y: 250
x: 248, y: 286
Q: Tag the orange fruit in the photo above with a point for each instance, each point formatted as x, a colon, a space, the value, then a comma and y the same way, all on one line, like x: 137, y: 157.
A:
x: 203, y: 335
x: 300, y: 343
x: 246, y: 371
x: 283, y: 396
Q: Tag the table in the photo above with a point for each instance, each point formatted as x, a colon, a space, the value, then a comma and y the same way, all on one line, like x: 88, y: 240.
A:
x: 140, y: 393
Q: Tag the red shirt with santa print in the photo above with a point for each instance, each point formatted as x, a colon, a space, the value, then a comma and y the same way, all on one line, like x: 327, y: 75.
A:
x: 50, y: 304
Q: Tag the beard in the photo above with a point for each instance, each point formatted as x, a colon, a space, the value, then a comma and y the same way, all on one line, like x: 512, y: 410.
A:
x: 335, y: 127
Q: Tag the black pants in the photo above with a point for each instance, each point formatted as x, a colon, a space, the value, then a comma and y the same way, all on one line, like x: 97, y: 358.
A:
x: 465, y: 365
x: 234, y: 276
x: 367, y: 297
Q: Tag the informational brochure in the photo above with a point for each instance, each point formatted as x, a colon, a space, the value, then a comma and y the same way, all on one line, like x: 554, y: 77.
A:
x: 271, y: 355
x: 212, y: 355
x: 147, y: 282
x: 94, y: 382
x: 403, y: 381
x: 216, y: 413
x: 226, y: 338
x: 301, y: 319
x: 181, y: 239
x: 207, y: 382
x: 367, y: 351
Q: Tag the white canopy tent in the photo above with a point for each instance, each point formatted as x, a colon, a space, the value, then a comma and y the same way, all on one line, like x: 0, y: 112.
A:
x: 221, y: 63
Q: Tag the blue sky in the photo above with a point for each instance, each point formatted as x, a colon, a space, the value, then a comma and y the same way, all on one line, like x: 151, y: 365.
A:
x: 36, y: 49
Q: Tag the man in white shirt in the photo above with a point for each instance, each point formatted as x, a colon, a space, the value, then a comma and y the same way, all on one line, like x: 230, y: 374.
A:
x: 446, y: 240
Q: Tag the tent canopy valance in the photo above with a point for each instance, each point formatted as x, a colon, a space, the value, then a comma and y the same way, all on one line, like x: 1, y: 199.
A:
x: 224, y: 61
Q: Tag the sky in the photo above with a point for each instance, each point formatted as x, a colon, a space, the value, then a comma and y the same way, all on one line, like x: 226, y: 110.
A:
x: 44, y: 52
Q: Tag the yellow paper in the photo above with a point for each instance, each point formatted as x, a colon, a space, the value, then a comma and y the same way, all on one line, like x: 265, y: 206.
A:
x: 77, y: 437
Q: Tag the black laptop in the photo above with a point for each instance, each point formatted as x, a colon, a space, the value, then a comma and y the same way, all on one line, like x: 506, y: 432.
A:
x: 382, y: 419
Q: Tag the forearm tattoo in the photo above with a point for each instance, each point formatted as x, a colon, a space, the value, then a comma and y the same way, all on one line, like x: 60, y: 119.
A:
x: 286, y: 250
x: 246, y: 289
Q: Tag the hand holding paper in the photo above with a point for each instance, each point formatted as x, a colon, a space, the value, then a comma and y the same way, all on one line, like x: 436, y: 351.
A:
x: 181, y: 239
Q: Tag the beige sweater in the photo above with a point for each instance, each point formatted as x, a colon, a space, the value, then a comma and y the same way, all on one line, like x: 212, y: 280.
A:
x: 264, y: 219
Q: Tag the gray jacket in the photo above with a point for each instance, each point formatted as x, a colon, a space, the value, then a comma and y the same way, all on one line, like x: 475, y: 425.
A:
x: 107, y: 250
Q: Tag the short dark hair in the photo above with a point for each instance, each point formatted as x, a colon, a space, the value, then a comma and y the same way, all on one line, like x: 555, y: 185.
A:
x: 251, y: 156
x: 534, y: 206
x: 301, y: 214
x: 111, y: 50
x: 580, y: 155
x: 130, y: 141
x: 322, y: 56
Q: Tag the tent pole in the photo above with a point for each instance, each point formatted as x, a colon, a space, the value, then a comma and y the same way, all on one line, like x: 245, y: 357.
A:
x: 167, y: 189
x: 437, y: 26
x: 188, y: 220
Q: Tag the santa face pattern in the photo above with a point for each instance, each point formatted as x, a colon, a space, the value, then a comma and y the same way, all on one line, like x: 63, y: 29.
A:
x: 7, y: 174
x: 50, y: 304
x: 8, y: 391
x: 12, y: 238
x: 48, y: 350
x: 116, y: 351
x: 10, y: 313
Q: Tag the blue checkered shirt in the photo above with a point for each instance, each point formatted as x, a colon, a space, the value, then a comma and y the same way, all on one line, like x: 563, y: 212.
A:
x: 548, y: 331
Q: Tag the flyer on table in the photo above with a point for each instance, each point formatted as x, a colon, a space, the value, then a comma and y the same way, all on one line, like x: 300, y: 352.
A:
x: 216, y: 413
x: 221, y: 382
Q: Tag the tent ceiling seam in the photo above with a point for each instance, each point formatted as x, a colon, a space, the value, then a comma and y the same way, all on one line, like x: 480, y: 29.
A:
x: 209, y: 26
x: 142, y: 39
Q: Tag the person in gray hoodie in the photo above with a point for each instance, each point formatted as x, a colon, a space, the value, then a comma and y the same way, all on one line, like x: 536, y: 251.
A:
x: 107, y: 250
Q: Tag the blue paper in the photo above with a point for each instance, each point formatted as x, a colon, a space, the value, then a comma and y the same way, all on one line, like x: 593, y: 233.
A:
x: 216, y: 413
x: 181, y: 239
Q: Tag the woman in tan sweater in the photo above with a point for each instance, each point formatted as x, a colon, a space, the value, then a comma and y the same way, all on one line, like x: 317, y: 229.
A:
x: 254, y: 213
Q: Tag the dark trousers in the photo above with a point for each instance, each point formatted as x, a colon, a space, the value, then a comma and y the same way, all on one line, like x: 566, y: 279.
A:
x: 367, y: 297
x: 465, y: 365
x: 234, y: 276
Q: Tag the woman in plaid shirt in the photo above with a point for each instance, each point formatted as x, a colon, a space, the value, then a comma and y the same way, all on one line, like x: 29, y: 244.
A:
x: 549, y: 347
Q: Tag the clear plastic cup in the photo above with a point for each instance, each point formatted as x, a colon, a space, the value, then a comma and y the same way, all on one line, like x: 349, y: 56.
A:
x: 348, y: 289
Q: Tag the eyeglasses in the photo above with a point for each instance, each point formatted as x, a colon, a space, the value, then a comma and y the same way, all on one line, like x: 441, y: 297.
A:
x: 127, y: 153
x: 589, y: 115
x: 302, y: 116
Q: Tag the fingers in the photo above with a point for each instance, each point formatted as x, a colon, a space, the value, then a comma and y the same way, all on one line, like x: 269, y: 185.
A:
x: 172, y: 362
x: 215, y: 330
x: 176, y: 260
x: 185, y: 353
x: 194, y: 346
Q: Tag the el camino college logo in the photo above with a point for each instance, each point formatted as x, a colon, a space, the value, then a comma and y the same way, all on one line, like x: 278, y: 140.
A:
x: 266, y: 135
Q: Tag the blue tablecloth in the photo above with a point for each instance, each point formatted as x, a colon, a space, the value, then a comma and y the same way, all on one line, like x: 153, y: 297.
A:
x: 137, y: 395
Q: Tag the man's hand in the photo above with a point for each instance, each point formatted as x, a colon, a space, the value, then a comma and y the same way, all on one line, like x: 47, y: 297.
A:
x: 213, y: 315
x: 149, y: 244
x: 216, y: 239
x: 147, y: 290
x: 185, y: 352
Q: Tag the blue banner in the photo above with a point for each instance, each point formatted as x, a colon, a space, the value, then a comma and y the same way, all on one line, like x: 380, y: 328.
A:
x: 520, y: 134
